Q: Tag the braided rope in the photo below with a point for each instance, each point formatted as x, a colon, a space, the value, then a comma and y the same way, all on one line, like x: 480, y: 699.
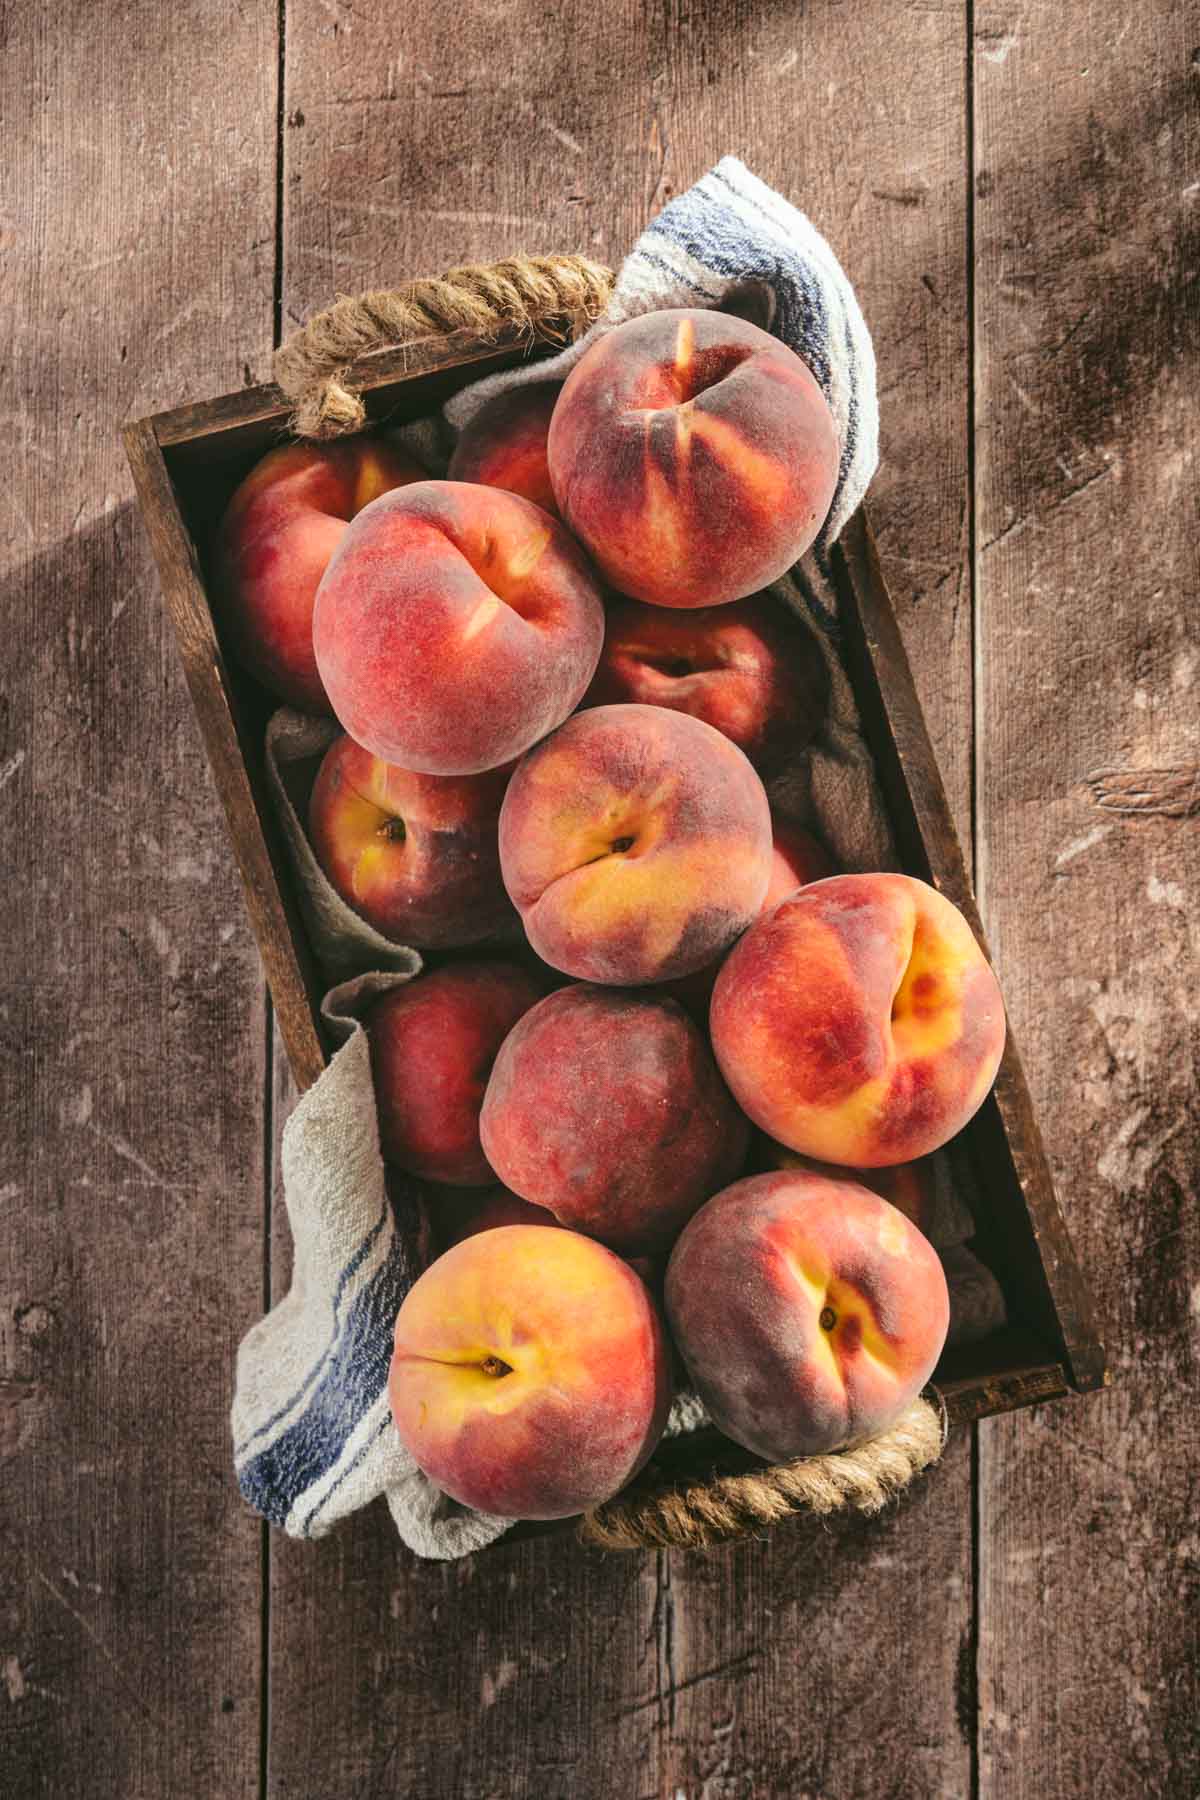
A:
x: 552, y: 297
x: 652, y: 1515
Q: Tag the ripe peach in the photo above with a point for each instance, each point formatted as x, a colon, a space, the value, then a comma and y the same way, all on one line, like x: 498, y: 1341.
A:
x: 694, y: 455
x: 529, y: 1376
x: 636, y: 845
x: 606, y: 1107
x: 808, y: 1312
x: 274, y: 543
x: 797, y: 859
x: 750, y: 669
x: 859, y: 1022
x: 504, y: 444
x: 417, y: 856
x: 909, y: 1187
x: 460, y: 1213
x: 433, y: 1042
x: 455, y: 626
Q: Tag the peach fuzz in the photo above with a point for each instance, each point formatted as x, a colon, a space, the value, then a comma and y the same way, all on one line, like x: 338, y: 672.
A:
x: 859, y: 1022
x: 274, y: 543
x: 529, y: 1377
x: 433, y: 1042
x: 694, y: 456
x: 455, y: 626
x: 636, y: 845
x: 417, y: 856
x: 750, y: 669
x: 503, y: 445
x: 605, y: 1106
x: 808, y: 1312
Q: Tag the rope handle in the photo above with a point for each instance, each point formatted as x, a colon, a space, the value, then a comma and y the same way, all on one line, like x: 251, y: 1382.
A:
x: 538, y: 295
x: 651, y: 1514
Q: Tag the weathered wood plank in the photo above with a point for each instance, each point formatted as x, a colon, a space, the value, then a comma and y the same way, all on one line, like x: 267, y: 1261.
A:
x: 413, y: 142
x: 135, y: 237
x: 1088, y: 350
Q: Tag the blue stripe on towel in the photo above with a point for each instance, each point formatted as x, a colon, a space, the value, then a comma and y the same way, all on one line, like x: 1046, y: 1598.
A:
x: 347, y: 1275
x: 352, y: 1379
x: 314, y: 1512
x: 673, y: 274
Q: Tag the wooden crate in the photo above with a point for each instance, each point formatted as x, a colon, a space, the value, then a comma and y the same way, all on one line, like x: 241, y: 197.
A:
x: 186, y: 464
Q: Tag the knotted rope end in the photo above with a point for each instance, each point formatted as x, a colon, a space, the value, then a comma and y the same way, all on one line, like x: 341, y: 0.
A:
x: 553, y: 298
x: 699, y: 1514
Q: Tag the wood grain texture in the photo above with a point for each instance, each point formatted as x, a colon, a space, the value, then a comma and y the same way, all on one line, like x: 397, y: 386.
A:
x: 542, y: 1669
x: 1088, y: 338
x: 135, y: 267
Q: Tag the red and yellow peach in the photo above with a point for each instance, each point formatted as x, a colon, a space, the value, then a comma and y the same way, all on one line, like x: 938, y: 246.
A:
x: 433, y: 1042
x: 808, y: 1312
x: 859, y: 1022
x: 417, y: 856
x: 275, y: 541
x: 455, y: 626
x: 504, y: 444
x: 694, y: 456
x: 529, y: 1377
x: 636, y: 845
x: 749, y: 669
x: 605, y: 1106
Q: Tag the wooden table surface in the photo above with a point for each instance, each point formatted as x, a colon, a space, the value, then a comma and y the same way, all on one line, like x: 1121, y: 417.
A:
x: 1015, y: 189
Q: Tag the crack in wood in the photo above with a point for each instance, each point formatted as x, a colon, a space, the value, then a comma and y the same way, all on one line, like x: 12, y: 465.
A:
x: 1170, y: 793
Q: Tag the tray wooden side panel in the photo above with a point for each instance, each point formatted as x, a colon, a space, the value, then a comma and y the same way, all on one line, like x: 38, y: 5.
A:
x: 431, y: 368
x: 235, y: 760
x: 1021, y: 1227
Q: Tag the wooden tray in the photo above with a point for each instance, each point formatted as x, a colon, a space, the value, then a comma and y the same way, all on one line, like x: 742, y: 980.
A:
x: 186, y: 464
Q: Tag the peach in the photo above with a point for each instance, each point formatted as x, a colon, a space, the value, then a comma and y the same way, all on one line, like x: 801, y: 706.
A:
x: 859, y: 1021
x: 750, y: 669
x: 504, y: 444
x: 433, y: 1042
x: 909, y: 1187
x: 417, y: 856
x: 808, y: 1312
x: 460, y: 1213
x: 274, y: 543
x: 606, y: 1107
x: 694, y: 455
x: 455, y: 626
x: 636, y: 845
x: 796, y: 859
x: 529, y: 1377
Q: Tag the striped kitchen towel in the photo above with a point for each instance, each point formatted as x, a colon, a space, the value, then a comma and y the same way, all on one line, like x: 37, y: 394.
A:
x: 312, y: 1435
